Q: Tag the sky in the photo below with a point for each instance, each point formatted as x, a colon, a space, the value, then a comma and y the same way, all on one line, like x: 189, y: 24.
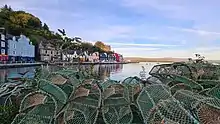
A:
x: 140, y: 28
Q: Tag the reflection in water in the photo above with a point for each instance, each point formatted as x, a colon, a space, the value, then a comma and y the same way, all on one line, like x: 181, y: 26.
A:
x: 105, y: 71
x: 112, y: 71
x: 14, y: 73
x: 102, y: 71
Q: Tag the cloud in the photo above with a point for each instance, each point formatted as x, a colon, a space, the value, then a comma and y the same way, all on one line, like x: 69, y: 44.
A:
x: 105, y: 32
x: 136, y: 49
x: 197, y: 31
x: 139, y: 45
x: 211, y: 55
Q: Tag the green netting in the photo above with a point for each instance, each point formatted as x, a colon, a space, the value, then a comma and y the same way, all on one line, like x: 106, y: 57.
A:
x: 181, y: 69
x: 37, y: 98
x: 175, y: 94
x: 108, y: 83
x: 35, y: 108
x: 180, y: 86
x: 115, y: 105
x: 172, y: 110
x: 134, y: 87
x: 32, y: 119
x: 84, y: 105
x: 42, y: 73
x: 132, y: 81
x: 145, y: 104
x: 54, y: 90
x: 150, y: 96
x: 204, y: 92
x: 158, y: 92
x: 134, y: 90
x: 153, y: 80
x: 213, y: 102
x: 187, y: 81
x: 117, y: 114
x: 67, y: 88
x: 187, y: 98
x: 208, y: 83
x: 75, y: 117
x: 73, y: 77
x: 215, y: 92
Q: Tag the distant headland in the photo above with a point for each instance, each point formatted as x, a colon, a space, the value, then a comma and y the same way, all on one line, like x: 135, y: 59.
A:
x: 142, y: 59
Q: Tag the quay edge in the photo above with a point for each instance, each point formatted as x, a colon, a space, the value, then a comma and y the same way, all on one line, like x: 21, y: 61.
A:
x: 19, y: 65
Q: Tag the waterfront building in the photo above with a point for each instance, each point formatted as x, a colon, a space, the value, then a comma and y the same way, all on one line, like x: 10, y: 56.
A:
x: 95, y: 57
x: 46, y: 52
x: 90, y: 58
x: 111, y: 57
x: 103, y: 57
x: 121, y: 59
x: 3, y: 46
x: 118, y: 57
x: 71, y: 55
x: 86, y: 56
x: 20, y: 48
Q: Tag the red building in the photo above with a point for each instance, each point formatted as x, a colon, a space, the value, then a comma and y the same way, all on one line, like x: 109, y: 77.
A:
x: 118, y: 57
x: 3, y: 57
x: 3, y: 46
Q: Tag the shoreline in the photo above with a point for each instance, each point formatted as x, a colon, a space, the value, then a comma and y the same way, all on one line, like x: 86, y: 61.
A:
x: 20, y: 65
x: 88, y: 63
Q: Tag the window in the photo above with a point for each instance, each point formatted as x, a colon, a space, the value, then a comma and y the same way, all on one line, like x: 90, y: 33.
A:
x: 14, y: 46
x: 51, y: 52
x: 2, y: 44
x: 2, y: 51
x: 2, y: 37
x: 13, y: 52
x: 46, y: 51
x: 57, y: 53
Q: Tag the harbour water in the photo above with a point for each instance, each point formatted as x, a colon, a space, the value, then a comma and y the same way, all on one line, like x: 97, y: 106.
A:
x: 112, y: 71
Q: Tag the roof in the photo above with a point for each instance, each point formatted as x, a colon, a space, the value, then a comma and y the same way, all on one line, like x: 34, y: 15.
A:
x: 46, y: 45
x: 103, y: 54
x: 9, y: 36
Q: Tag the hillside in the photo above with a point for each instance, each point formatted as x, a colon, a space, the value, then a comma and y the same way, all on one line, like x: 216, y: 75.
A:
x: 139, y: 59
x: 21, y: 22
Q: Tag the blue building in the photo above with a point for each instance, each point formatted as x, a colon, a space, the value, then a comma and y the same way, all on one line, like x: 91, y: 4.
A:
x: 20, y: 49
x: 103, y: 57
x: 3, y: 46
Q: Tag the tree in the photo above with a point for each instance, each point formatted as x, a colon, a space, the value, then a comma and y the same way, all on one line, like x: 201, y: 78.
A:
x: 6, y: 8
x: 25, y: 20
x: 100, y: 44
x: 78, y: 39
x: 103, y: 47
x: 66, y: 43
x: 87, y: 46
x: 45, y: 27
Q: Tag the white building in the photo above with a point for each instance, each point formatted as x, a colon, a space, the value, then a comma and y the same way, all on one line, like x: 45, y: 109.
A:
x: 47, y: 52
